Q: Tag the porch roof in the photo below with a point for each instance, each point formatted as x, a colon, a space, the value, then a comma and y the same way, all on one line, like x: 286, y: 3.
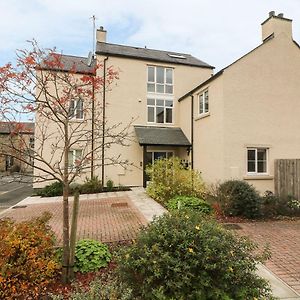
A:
x: 161, y: 136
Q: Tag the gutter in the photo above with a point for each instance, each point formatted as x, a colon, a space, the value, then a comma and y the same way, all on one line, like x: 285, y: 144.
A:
x: 103, y: 120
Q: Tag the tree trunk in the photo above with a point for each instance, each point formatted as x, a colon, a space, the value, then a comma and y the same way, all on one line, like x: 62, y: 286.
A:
x: 66, y: 239
x: 73, y: 234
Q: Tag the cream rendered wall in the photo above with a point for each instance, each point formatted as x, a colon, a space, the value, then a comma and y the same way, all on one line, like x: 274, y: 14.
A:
x: 128, y: 99
x: 262, y: 108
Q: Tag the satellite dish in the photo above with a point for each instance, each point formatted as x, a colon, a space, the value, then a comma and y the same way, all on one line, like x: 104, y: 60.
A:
x: 90, y: 59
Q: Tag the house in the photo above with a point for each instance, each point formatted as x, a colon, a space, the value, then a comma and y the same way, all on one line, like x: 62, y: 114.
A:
x: 13, y: 138
x: 233, y: 124
x: 247, y: 115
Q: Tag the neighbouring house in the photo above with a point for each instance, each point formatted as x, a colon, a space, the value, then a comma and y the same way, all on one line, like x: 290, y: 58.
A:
x: 247, y: 115
x: 233, y: 124
x: 15, y: 136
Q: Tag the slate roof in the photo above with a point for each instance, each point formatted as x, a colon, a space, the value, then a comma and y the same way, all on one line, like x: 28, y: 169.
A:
x: 8, y: 127
x: 161, y: 136
x: 80, y: 64
x: 149, y: 54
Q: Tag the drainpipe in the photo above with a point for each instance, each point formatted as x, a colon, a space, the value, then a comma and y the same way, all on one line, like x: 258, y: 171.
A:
x: 93, y: 129
x: 192, y: 131
x: 103, y: 117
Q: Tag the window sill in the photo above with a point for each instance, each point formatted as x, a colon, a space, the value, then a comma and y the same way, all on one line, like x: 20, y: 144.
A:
x: 202, y: 116
x: 258, y: 177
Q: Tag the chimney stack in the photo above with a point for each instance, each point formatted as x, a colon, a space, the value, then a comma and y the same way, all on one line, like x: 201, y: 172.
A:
x: 101, y: 35
x: 276, y: 25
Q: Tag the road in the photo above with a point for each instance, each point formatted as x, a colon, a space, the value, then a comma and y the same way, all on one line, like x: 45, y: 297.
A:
x: 13, y: 190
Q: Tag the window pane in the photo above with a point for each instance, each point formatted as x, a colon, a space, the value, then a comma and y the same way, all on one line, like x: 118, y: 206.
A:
x: 169, y: 89
x: 261, y: 154
x: 169, y: 76
x: 151, y: 87
x: 160, y: 88
x: 148, y: 158
x: 169, y: 115
x: 206, y: 101
x: 79, y: 109
x: 251, y: 166
x: 160, y: 102
x: 160, y: 75
x: 159, y: 115
x: 72, y: 109
x: 150, y: 101
x: 261, y: 167
x: 150, y: 74
x: 150, y: 114
x: 70, y: 158
x: 158, y: 155
x: 169, y: 103
x: 251, y: 154
x: 201, y: 104
x: 78, y: 154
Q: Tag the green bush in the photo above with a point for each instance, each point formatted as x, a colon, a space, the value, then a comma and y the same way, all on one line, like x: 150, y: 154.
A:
x: 91, y: 255
x: 269, y: 205
x: 169, y: 178
x: 91, y: 186
x: 110, y: 185
x: 238, y: 198
x: 51, y: 190
x: 189, y: 203
x: 185, y: 255
x: 27, y: 258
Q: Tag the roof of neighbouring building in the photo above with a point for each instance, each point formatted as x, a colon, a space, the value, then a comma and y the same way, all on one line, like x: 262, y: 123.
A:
x: 161, y: 136
x: 21, y: 127
x: 150, y: 54
x: 77, y: 63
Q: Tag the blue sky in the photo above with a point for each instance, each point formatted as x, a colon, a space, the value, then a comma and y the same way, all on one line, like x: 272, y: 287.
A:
x: 215, y: 31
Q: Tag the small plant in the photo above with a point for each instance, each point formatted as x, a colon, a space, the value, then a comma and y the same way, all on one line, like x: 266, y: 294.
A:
x: 169, y: 179
x: 189, y: 203
x: 270, y: 204
x: 185, y: 255
x: 110, y: 185
x: 51, y: 190
x: 91, y: 186
x: 27, y: 257
x: 238, y: 198
x: 91, y: 255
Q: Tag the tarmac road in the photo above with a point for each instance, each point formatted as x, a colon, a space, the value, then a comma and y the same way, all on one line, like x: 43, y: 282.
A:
x: 13, y: 190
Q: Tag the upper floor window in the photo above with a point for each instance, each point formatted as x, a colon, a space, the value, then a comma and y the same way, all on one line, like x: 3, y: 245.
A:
x: 160, y: 80
x: 203, y: 103
x: 74, y: 157
x: 76, y: 109
x: 160, y: 110
x: 257, y: 160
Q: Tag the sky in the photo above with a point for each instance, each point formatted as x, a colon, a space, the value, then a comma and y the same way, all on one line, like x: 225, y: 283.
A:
x: 215, y: 31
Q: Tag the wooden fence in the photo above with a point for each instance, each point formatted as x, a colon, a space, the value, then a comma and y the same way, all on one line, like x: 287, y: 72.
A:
x: 287, y: 178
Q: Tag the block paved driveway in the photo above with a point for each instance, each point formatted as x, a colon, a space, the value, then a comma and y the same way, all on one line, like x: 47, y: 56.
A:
x: 283, y: 238
x: 107, y: 217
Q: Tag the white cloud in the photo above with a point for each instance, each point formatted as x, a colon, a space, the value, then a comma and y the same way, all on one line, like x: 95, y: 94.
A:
x: 216, y: 31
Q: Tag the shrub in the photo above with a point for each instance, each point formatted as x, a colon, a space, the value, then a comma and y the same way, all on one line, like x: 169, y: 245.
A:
x: 189, y: 203
x: 269, y: 204
x: 91, y: 255
x: 169, y: 178
x: 238, y: 198
x: 185, y: 255
x: 110, y: 185
x: 15, y: 168
x: 27, y: 258
x: 91, y: 186
x: 51, y: 190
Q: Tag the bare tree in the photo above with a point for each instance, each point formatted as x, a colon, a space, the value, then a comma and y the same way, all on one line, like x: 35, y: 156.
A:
x: 71, y: 133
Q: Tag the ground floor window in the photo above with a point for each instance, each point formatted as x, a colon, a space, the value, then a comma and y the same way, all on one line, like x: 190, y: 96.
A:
x: 74, y: 157
x: 257, y: 160
x: 154, y: 155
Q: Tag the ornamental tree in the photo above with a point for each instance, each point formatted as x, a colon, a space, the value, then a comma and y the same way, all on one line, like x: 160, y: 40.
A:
x: 71, y: 131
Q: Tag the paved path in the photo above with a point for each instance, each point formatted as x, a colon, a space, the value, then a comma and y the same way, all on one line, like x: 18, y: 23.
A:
x: 283, y: 237
x: 108, y: 217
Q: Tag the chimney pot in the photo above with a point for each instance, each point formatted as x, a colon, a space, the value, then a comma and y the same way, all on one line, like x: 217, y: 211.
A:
x: 272, y: 13
x: 280, y: 15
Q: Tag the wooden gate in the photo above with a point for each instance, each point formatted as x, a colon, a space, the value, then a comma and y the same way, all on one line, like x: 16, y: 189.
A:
x: 287, y: 178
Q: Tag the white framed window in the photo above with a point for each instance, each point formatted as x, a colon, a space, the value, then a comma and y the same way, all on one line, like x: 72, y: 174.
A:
x: 203, y: 102
x: 160, y: 80
x: 160, y: 110
x: 257, y: 161
x: 74, y: 157
x: 76, y: 109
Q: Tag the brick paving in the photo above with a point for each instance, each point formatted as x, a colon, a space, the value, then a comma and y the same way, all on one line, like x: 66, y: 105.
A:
x: 106, y: 219
x: 283, y: 237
